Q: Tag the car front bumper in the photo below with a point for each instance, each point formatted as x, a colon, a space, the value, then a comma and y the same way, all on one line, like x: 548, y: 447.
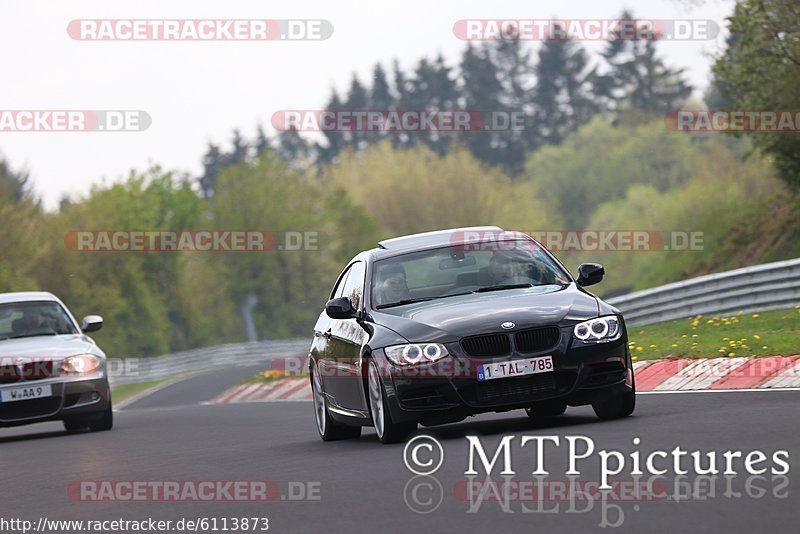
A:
x: 73, y: 397
x: 444, y: 392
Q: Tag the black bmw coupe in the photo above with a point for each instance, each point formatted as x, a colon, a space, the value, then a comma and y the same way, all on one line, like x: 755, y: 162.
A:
x: 431, y: 328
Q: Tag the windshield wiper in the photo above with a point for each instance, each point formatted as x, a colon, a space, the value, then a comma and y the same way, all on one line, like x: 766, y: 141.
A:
x: 402, y: 302
x: 31, y: 335
x: 501, y: 287
x: 420, y: 299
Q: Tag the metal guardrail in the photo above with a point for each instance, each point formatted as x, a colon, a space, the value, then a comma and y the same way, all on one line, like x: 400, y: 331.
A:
x: 206, y: 359
x: 758, y: 288
x: 770, y: 286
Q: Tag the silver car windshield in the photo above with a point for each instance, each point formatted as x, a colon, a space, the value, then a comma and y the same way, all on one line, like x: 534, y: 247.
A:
x: 30, y: 319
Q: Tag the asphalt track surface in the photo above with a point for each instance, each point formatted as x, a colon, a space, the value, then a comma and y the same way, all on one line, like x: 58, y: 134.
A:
x: 364, y: 486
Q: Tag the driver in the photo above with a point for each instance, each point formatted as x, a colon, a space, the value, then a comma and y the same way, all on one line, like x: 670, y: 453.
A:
x: 393, y: 287
x: 31, y: 321
x: 501, y: 267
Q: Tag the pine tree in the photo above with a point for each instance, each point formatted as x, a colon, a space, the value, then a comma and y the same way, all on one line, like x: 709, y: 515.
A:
x: 212, y: 161
x: 380, y: 99
x: 294, y: 149
x: 357, y: 98
x: 562, y: 98
x: 335, y: 141
x: 481, y: 92
x: 636, y: 78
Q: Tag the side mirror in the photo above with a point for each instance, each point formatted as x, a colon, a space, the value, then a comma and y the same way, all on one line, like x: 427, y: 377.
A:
x: 340, y: 308
x: 91, y: 323
x: 590, y: 274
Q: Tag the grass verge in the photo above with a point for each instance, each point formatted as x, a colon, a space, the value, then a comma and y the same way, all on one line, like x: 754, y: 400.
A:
x: 126, y: 391
x: 752, y: 334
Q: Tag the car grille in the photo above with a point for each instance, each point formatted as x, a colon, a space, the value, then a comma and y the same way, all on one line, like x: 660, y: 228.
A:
x: 537, y: 339
x: 10, y: 411
x: 487, y: 345
x: 9, y: 374
x: 494, y: 391
x: 30, y: 371
x: 38, y: 370
x: 520, y: 390
x: 510, y: 390
x: 526, y: 341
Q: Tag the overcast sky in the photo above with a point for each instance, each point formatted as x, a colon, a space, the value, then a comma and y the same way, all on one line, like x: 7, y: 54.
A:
x: 200, y: 92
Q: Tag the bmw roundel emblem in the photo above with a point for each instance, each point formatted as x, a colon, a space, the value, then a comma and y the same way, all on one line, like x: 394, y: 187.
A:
x: 508, y: 325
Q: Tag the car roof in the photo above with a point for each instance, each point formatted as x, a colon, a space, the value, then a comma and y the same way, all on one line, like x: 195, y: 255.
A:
x: 438, y: 238
x: 27, y: 296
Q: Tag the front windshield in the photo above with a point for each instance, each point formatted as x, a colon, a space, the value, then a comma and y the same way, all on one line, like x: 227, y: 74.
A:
x: 30, y: 319
x: 457, y: 270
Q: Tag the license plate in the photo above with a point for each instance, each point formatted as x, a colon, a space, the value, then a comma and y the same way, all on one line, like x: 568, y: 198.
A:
x: 530, y: 366
x: 25, y: 393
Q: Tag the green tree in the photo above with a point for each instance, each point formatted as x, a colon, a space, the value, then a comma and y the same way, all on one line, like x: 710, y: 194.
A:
x: 637, y: 78
x: 136, y: 292
x: 415, y: 190
x: 599, y: 162
x: 562, y: 99
x: 760, y: 70
x: 266, y: 195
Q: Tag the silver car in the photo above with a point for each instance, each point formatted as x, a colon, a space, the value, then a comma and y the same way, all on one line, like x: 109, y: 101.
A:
x: 50, y: 369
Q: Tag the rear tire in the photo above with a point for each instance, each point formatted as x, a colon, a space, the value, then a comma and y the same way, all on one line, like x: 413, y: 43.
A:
x: 388, y: 431
x: 615, y: 405
x: 329, y: 430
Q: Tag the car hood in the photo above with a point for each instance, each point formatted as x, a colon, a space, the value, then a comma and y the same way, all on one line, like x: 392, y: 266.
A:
x: 47, y: 346
x: 452, y: 318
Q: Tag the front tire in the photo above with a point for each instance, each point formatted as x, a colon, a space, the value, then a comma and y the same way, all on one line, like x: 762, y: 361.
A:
x: 79, y: 424
x: 388, y: 431
x: 104, y: 423
x: 615, y: 405
x: 329, y: 430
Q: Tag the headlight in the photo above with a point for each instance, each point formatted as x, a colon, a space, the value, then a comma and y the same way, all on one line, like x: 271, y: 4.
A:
x: 80, y: 364
x: 415, y: 353
x: 600, y: 329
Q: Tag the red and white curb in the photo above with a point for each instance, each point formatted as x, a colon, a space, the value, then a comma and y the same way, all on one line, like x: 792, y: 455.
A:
x: 718, y: 374
x: 656, y: 376
x: 287, y: 389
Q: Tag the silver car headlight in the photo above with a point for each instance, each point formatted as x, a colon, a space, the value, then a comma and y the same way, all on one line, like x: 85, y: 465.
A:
x: 601, y: 329
x: 415, y: 353
x: 81, y: 364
